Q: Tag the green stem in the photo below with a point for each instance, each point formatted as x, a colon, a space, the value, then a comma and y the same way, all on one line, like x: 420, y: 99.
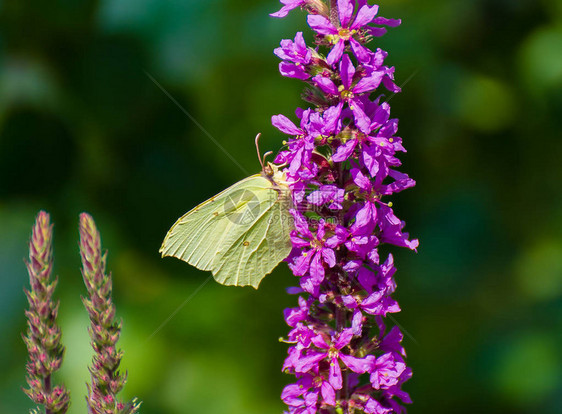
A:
x: 340, y: 325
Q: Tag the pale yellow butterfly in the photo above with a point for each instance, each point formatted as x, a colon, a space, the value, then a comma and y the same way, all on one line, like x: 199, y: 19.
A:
x: 241, y: 234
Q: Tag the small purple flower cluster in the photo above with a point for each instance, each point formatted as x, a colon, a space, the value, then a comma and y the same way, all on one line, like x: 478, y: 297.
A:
x: 107, y: 380
x: 341, y: 164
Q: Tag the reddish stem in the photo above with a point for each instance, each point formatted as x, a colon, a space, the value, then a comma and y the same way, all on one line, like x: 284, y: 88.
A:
x: 47, y: 385
x: 334, y: 18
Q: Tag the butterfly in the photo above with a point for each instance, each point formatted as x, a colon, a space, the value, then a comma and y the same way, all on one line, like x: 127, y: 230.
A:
x: 240, y: 234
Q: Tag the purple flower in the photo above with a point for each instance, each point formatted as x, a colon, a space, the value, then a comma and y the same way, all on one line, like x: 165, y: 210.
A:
x: 392, y: 342
x: 366, y: 216
x: 296, y: 57
x: 295, y: 315
x: 316, y: 252
x: 313, y: 125
x: 377, y: 303
x: 331, y: 351
x: 401, y: 182
x: 350, y: 27
x: 300, y: 148
x: 378, y: 147
x: 363, y: 244
x: 307, y: 390
x: 387, y: 371
x: 348, y: 91
x: 373, y: 406
x: 327, y: 194
x: 328, y: 122
x: 391, y: 230
x: 294, y: 51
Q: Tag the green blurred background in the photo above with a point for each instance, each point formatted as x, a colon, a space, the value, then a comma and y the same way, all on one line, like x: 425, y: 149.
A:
x: 82, y: 128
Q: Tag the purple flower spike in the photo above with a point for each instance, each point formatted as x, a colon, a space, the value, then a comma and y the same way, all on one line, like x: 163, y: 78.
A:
x: 107, y: 380
x: 43, y: 337
x: 343, y: 167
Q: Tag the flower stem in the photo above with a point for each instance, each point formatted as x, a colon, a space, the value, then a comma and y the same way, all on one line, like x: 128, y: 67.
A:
x: 334, y: 19
x: 340, y: 325
x: 47, y: 385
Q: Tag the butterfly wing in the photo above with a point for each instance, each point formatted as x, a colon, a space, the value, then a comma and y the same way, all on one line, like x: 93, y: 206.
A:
x: 240, y: 234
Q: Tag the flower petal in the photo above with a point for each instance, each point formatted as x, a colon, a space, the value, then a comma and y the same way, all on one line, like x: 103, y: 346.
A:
x: 300, y: 44
x: 370, y: 154
x: 358, y: 365
x: 369, y: 83
x: 344, y: 151
x: 336, y: 53
x: 284, y: 124
x: 344, y: 338
x: 335, y: 374
x: 302, y: 264
x: 328, y: 393
x: 390, y: 85
x: 345, y: 11
x: 317, y: 271
x: 309, y: 361
x: 357, y: 322
x: 361, y: 119
x: 387, y: 22
x: 321, y: 24
x: 363, y: 54
x: 331, y: 118
x: 320, y: 342
x: 361, y: 180
x: 376, y: 31
x: 288, y: 6
x: 325, y: 84
x: 364, y: 16
x: 347, y: 71
x: 291, y: 70
x: 329, y: 257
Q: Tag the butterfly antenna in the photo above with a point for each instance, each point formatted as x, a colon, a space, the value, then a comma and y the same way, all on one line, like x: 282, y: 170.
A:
x: 265, y: 156
x: 258, y: 150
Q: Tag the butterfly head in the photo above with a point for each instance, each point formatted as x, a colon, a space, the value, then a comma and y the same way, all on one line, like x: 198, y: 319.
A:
x: 276, y: 174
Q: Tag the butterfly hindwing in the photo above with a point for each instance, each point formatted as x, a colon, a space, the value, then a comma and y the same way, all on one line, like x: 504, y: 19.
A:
x: 260, y: 248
